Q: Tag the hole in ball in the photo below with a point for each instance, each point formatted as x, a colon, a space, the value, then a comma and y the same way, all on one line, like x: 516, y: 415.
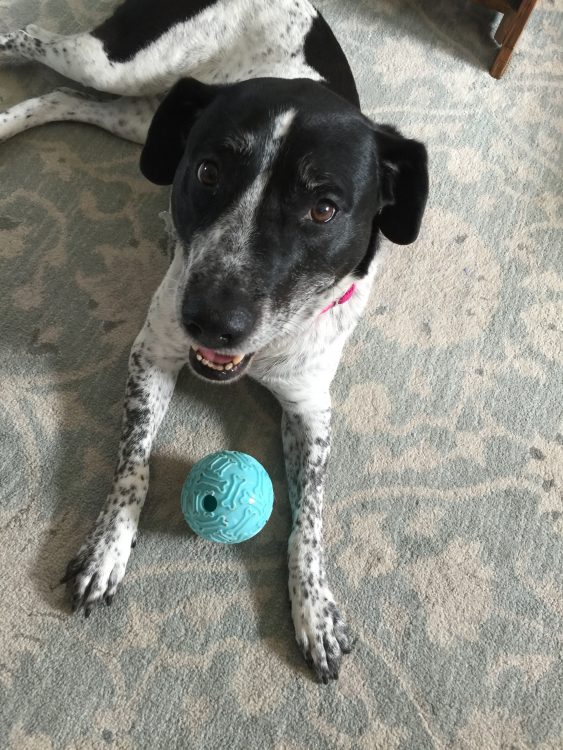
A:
x: 209, y: 503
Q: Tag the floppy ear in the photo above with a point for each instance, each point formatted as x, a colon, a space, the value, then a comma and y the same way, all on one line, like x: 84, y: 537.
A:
x: 404, y: 167
x: 170, y: 127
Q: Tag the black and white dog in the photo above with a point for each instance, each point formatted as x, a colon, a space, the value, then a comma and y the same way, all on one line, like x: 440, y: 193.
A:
x: 280, y: 189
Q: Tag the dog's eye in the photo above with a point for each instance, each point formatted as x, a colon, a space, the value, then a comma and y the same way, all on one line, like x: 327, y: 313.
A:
x: 208, y: 173
x: 323, y: 212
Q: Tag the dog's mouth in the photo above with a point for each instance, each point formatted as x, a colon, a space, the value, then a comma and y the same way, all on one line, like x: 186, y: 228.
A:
x: 221, y: 368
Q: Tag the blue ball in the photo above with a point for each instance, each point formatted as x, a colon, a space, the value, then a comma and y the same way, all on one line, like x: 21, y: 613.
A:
x: 227, y: 497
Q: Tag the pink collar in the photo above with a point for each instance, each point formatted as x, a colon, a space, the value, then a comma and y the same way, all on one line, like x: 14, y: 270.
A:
x: 345, y: 297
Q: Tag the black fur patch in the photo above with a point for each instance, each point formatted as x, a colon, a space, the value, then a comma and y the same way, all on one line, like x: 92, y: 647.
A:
x: 137, y: 23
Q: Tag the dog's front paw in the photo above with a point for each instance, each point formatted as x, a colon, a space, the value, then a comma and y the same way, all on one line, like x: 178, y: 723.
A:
x: 97, y: 570
x: 320, y: 630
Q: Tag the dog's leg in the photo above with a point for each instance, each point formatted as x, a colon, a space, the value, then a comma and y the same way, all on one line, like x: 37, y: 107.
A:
x: 150, y: 70
x: 320, y: 629
x: 126, y: 117
x: 80, y: 57
x: 156, y: 357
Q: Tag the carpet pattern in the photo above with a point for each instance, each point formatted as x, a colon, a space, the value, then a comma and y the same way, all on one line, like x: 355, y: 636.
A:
x: 444, y: 512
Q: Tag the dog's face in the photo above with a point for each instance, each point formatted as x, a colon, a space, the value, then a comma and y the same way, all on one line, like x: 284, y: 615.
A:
x: 280, y: 188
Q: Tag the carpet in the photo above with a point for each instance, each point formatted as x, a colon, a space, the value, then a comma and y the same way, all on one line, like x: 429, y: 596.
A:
x: 444, y: 509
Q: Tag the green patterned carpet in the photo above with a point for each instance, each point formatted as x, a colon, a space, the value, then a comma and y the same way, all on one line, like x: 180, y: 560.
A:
x: 444, y: 515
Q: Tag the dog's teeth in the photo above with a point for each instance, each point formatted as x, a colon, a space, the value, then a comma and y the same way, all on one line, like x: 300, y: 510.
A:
x: 212, y: 365
x: 220, y: 368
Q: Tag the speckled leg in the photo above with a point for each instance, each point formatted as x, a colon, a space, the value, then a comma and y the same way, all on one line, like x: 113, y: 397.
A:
x: 79, y: 57
x: 83, y: 58
x: 19, y: 46
x: 34, y: 43
x: 98, y: 568
x: 126, y: 117
x: 320, y: 629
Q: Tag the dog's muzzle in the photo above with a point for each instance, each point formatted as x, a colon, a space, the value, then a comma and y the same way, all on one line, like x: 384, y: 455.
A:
x: 216, y: 320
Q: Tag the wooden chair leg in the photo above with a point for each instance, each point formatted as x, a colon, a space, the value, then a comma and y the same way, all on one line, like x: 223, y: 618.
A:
x: 500, y: 62
x: 508, y: 34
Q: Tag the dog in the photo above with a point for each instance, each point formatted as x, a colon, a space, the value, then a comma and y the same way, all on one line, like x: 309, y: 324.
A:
x: 280, y: 191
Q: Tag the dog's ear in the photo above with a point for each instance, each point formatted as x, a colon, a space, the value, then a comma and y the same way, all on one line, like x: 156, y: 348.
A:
x: 170, y: 127
x: 404, y: 179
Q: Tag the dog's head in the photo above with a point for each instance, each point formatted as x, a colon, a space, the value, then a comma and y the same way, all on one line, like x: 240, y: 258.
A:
x: 280, y: 188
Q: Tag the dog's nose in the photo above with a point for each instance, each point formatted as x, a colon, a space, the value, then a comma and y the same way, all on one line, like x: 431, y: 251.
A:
x: 216, y: 327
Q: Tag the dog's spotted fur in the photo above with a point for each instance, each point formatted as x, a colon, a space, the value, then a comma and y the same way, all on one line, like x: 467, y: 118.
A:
x: 140, y: 53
